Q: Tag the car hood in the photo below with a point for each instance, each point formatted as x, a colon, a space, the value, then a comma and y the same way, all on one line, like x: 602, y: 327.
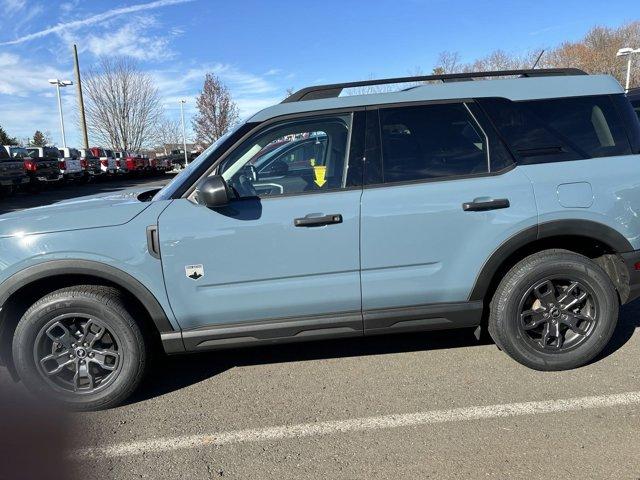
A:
x: 102, y: 210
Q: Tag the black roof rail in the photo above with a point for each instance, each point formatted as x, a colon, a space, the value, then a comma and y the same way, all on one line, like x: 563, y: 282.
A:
x: 334, y: 90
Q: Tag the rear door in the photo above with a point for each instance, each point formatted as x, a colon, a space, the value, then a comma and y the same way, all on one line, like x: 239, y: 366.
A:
x: 440, y: 195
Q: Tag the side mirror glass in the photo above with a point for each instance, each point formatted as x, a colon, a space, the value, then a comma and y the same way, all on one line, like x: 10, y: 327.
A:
x: 214, y: 192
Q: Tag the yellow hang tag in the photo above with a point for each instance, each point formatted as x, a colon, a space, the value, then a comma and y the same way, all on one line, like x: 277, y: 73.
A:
x: 320, y: 172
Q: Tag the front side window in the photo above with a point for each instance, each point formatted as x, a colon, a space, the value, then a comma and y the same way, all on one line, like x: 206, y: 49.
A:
x: 299, y: 156
x: 431, y: 141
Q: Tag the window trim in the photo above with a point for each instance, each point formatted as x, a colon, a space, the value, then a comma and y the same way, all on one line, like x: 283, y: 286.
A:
x: 464, y: 102
x: 190, y: 191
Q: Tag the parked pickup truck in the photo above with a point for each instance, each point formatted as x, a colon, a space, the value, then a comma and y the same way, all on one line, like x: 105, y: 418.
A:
x: 70, y: 166
x: 12, y: 172
x: 43, y: 165
x: 107, y: 160
x: 90, y: 164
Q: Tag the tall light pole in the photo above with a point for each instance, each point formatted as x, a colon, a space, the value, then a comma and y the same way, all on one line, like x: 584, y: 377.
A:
x: 58, y: 84
x: 184, y: 136
x: 627, y: 52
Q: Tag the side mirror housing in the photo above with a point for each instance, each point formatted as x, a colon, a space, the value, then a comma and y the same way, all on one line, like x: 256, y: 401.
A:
x: 214, y: 192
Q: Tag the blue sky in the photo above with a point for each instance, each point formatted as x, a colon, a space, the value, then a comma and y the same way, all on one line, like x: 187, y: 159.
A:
x: 261, y: 48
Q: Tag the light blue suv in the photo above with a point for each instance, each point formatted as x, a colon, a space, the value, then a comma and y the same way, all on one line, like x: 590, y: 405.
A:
x: 511, y: 203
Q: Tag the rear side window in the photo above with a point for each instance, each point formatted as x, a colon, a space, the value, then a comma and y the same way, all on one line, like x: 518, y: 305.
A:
x: 431, y: 141
x: 4, y: 155
x: 560, y: 129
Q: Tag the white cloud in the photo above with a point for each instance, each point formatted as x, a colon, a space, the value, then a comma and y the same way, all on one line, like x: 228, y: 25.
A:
x: 250, y: 91
x: 21, y: 79
x: 11, y: 7
x: 101, y: 17
x: 130, y: 41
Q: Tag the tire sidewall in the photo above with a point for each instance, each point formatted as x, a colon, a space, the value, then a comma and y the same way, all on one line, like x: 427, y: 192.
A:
x: 36, y: 318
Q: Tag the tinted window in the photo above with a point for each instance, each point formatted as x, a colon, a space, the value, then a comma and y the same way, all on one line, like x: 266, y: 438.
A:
x: 560, y: 129
x: 307, y: 155
x: 430, y: 141
x: 4, y: 155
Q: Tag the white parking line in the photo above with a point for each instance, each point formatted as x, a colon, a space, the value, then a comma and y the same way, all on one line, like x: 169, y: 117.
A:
x: 359, y: 424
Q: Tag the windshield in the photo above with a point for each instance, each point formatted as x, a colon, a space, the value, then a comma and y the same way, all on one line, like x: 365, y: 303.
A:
x: 167, y: 191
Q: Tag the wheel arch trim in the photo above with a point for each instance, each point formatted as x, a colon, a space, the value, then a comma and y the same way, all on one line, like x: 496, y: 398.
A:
x: 100, y: 270
x: 555, y: 228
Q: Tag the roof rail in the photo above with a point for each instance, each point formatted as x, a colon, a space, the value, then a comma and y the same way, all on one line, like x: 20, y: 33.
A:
x: 334, y: 90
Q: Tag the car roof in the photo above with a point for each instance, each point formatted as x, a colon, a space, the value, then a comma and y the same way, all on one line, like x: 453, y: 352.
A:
x: 526, y: 88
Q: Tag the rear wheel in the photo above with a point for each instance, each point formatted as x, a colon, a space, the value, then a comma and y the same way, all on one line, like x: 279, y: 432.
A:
x: 81, y: 348
x: 554, y: 310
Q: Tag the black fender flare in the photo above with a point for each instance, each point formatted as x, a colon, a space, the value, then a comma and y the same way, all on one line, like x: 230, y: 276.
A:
x: 583, y: 228
x: 92, y: 268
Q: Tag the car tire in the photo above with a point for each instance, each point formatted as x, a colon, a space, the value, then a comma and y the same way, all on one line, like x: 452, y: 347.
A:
x: 101, y: 361
x: 554, y: 310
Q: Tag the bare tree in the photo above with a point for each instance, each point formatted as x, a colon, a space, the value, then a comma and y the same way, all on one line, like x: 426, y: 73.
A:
x: 122, y: 104
x: 168, y: 134
x: 595, y: 53
x: 217, y: 112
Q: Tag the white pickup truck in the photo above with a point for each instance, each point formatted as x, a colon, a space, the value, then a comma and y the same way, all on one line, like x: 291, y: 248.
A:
x: 70, y: 166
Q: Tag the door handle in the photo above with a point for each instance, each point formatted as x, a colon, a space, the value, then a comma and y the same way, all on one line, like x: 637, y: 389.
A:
x: 486, y: 205
x: 318, y: 221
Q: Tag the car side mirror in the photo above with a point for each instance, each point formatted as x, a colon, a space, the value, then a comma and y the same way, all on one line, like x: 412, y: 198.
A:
x: 214, y: 192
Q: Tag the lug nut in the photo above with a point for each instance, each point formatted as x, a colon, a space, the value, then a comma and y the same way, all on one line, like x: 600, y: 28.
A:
x: 86, y: 344
x: 71, y: 356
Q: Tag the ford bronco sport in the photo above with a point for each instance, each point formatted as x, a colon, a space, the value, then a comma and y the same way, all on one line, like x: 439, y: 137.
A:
x: 510, y: 203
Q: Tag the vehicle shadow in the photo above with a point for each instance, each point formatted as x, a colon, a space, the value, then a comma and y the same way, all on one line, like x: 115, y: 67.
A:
x: 170, y: 373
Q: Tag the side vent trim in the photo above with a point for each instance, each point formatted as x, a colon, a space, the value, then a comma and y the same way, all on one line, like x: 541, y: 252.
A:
x: 153, y: 242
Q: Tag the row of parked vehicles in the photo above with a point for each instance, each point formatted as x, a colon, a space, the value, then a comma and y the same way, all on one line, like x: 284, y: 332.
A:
x: 33, y: 167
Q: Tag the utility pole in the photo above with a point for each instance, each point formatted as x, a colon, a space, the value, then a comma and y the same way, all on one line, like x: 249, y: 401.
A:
x: 184, y: 136
x: 83, y: 120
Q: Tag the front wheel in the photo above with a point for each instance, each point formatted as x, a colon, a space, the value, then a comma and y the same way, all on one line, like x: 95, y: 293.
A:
x: 554, y: 310
x: 81, y: 348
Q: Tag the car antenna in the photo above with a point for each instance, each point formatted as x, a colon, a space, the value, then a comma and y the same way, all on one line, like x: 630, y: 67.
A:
x: 537, y: 60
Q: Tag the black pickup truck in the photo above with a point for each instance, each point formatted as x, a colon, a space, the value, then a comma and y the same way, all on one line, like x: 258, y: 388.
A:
x: 43, y: 165
x: 12, y: 171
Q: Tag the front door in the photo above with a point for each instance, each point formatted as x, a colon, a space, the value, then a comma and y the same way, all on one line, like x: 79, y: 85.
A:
x: 286, y: 250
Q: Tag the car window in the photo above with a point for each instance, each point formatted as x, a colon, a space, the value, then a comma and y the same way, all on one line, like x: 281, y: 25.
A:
x: 4, y: 155
x: 310, y: 155
x: 560, y: 129
x: 34, y: 152
x: 431, y: 141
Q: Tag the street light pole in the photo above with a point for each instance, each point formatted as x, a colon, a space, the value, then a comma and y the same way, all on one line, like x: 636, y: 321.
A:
x: 627, y: 52
x: 184, y: 136
x: 58, y: 84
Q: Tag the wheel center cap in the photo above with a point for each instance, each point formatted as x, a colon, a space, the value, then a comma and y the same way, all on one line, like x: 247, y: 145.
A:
x: 81, y: 353
x: 555, y: 313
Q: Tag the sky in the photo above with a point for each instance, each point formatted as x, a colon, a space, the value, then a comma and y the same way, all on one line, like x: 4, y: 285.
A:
x: 261, y: 48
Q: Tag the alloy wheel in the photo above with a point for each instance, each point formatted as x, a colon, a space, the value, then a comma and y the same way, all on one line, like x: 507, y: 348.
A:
x: 557, y: 314
x: 78, y: 354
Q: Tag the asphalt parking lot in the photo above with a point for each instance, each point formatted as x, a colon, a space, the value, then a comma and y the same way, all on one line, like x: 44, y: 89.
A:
x: 433, y: 405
